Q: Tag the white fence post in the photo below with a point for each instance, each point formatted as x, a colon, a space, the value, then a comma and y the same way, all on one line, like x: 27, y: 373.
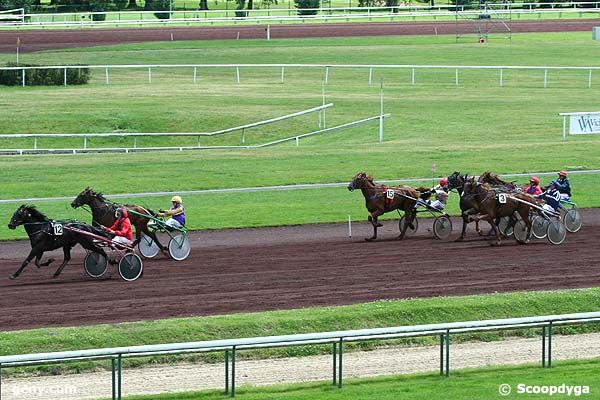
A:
x: 237, y: 74
x: 106, y: 73
x: 456, y: 77
x: 65, y: 77
x: 23, y: 77
x: 195, y: 73
x: 149, y: 75
x: 282, y: 73
x: 545, y: 78
x: 501, y: 78
x: 326, y: 74
x: 413, y: 76
x: 370, y: 76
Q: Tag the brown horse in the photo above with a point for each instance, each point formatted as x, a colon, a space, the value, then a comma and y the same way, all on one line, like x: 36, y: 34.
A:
x: 103, y: 213
x: 493, y: 204
x: 380, y: 199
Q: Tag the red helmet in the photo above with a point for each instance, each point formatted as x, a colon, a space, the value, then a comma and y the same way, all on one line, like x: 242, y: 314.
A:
x: 535, y: 180
x: 562, y: 173
x: 444, y: 182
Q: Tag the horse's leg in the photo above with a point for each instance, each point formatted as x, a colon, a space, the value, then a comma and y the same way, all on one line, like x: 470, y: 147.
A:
x: 373, y: 220
x: 465, y: 219
x: 524, y: 213
x: 490, y: 220
x: 409, y: 217
x: 44, y: 264
x: 67, y: 254
x: 33, y: 253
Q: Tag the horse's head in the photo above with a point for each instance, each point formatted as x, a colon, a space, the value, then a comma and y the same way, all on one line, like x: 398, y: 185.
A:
x: 359, y: 181
x: 473, y: 186
x: 85, y: 197
x: 26, y: 214
x: 455, y: 181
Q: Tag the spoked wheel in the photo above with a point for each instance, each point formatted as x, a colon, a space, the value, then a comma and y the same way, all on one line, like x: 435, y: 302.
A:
x: 179, y: 247
x: 409, y: 231
x: 505, y: 227
x: 557, y: 232
x: 520, y: 231
x: 572, y: 220
x: 95, y: 264
x: 130, y: 267
x: 539, y: 227
x: 148, y: 248
x: 442, y: 227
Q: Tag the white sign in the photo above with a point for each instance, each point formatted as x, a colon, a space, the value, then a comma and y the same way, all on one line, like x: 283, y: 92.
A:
x: 390, y: 193
x: 58, y: 229
x: 502, y: 198
x: 584, y: 124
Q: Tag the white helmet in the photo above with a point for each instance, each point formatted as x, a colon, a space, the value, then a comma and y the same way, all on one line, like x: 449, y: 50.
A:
x: 176, y: 199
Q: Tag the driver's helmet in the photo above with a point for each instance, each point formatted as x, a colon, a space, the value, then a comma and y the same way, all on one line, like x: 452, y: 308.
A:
x: 562, y: 174
x: 444, y: 182
x: 121, y: 212
x: 176, y: 199
x: 534, y: 180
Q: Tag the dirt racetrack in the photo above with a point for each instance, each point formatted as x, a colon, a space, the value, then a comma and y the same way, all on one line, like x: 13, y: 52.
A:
x: 241, y: 270
x: 35, y: 40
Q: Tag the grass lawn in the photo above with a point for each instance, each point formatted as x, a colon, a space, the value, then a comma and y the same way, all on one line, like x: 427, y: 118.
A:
x: 471, y: 127
x: 466, y: 384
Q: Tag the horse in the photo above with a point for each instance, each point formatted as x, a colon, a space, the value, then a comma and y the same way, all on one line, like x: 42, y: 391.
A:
x: 380, y: 199
x: 46, y: 235
x: 468, y: 204
x: 491, y: 209
x: 103, y: 213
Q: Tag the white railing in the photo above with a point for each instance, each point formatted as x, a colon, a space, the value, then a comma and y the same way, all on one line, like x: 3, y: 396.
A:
x: 88, y: 19
x: 86, y: 136
x: 325, y: 67
x: 336, y: 338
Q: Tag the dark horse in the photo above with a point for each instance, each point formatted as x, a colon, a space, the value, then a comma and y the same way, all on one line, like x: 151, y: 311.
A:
x: 490, y: 207
x: 46, y: 235
x: 469, y: 205
x: 379, y: 202
x: 103, y: 213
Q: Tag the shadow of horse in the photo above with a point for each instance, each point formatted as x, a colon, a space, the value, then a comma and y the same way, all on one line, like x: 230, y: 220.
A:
x: 380, y: 199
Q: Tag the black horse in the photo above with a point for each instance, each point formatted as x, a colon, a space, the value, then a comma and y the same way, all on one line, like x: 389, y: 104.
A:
x: 46, y: 235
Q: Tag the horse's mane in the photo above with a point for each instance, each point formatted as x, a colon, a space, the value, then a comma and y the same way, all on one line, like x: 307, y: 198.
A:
x: 35, y: 212
x: 489, y: 177
x: 98, y: 195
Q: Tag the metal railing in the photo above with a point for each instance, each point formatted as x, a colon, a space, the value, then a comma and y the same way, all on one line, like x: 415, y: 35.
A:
x: 269, y: 14
x: 325, y: 67
x: 230, y: 347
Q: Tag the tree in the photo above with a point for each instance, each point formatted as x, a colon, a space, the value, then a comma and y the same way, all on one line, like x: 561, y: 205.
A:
x: 203, y: 5
x: 132, y: 5
x: 159, y: 5
x: 303, y: 6
x: 239, y: 7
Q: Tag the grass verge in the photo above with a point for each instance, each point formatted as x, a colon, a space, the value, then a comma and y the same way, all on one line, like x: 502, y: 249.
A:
x: 481, y: 383
x: 369, y: 315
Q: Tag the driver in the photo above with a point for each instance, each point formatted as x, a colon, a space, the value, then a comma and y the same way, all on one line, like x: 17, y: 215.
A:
x: 562, y: 185
x: 176, y: 212
x: 441, y: 195
x: 121, y: 229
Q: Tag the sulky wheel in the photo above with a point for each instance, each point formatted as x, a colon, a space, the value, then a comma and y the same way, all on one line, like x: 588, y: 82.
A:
x: 505, y: 227
x: 179, y: 247
x: 130, y: 267
x: 572, y: 220
x: 409, y: 231
x: 520, y: 232
x: 442, y: 227
x: 557, y: 232
x: 95, y: 264
x: 539, y: 227
x: 148, y: 248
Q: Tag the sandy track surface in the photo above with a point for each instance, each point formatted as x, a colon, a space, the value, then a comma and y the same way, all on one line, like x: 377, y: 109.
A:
x: 242, y: 270
x: 35, y: 40
x: 393, y: 360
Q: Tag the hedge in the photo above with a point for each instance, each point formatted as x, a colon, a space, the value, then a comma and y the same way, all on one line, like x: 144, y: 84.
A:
x: 43, y: 76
